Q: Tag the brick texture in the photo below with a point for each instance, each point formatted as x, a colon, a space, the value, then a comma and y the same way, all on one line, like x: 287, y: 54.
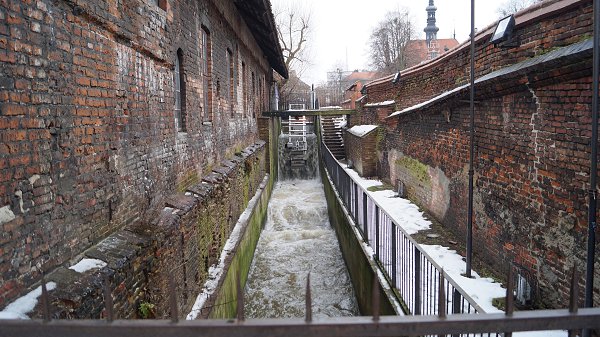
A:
x: 532, y: 148
x: 88, y: 143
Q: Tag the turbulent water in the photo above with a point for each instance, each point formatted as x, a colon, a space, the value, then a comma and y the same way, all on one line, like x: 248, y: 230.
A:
x: 298, y: 239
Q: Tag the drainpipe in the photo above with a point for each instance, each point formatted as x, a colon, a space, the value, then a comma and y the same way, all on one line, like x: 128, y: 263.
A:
x: 472, y: 145
x: 589, y: 280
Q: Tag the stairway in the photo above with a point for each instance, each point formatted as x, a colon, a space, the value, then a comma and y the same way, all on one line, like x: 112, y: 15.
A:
x: 332, y: 135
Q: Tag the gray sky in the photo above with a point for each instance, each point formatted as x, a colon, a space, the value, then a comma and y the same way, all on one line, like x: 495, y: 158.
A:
x: 341, y: 28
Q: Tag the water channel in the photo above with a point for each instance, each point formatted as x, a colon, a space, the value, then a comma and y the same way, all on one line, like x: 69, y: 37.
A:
x: 298, y: 239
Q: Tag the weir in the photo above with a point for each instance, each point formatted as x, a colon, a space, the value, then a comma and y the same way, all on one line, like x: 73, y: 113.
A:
x: 297, y: 240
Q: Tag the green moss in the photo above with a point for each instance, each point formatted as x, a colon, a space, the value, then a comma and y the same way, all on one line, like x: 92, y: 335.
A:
x: 240, y: 264
x: 188, y: 180
x: 378, y: 188
x: 499, y: 302
x: 380, y: 138
x: 415, y: 168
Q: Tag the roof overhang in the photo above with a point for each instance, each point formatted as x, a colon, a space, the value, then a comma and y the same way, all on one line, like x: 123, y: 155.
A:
x: 259, y: 18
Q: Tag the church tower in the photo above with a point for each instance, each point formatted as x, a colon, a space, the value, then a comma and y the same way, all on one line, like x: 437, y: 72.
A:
x: 431, y: 29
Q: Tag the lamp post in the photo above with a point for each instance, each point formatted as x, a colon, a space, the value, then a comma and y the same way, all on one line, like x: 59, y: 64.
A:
x: 472, y: 145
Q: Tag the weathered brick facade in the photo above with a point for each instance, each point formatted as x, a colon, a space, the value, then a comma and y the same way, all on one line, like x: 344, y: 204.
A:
x: 532, y: 151
x: 362, y: 152
x: 89, y: 138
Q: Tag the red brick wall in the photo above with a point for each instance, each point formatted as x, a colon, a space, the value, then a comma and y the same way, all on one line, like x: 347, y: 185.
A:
x: 362, y: 151
x: 88, y: 139
x: 531, y: 149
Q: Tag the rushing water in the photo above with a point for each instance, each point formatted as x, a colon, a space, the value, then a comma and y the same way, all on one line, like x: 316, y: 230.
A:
x: 298, y: 239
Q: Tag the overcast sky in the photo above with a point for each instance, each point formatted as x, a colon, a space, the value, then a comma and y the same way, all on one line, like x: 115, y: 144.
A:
x: 341, y: 28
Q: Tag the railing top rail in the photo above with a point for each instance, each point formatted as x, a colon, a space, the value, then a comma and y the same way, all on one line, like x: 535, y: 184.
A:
x: 293, y: 113
x: 332, y: 327
x: 449, y: 278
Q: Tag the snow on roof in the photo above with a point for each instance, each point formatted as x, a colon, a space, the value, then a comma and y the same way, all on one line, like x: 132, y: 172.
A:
x: 430, y: 101
x: 88, y: 264
x: 361, y: 130
x: 25, y: 304
x: 361, y: 98
x: 381, y: 103
x: 332, y: 107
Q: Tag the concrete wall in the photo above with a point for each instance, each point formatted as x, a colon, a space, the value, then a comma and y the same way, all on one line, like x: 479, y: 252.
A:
x: 532, y: 147
x: 361, y: 267
x: 88, y: 143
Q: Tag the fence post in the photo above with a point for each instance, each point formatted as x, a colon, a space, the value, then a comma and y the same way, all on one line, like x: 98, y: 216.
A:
x: 417, y: 310
x: 356, y: 203
x: 376, y: 232
x: 393, y: 232
x: 365, y: 218
x: 456, y: 299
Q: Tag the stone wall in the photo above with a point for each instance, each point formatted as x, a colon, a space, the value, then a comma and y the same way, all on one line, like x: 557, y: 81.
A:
x: 89, y: 144
x: 182, y: 243
x: 532, y: 146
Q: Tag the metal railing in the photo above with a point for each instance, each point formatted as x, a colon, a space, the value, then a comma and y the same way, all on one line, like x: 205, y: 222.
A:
x: 410, y: 270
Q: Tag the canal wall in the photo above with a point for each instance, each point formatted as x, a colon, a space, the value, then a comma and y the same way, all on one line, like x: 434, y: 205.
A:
x: 219, y: 295
x: 184, y: 242
x: 361, y: 266
x: 532, y: 145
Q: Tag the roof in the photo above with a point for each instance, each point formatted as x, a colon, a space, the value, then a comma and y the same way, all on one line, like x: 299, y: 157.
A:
x: 549, y: 60
x: 417, y: 50
x: 259, y: 18
x: 362, y: 76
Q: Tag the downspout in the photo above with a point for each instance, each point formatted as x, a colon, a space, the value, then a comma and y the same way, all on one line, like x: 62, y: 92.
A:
x: 472, y: 146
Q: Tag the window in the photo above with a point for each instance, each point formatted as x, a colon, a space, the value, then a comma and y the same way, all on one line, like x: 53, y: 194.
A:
x: 162, y: 4
x: 179, y: 92
x: 230, y: 76
x: 206, y: 75
x: 253, y: 95
x: 244, y: 90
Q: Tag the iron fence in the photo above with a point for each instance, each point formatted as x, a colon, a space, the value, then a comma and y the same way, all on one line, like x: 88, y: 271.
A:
x: 410, y: 270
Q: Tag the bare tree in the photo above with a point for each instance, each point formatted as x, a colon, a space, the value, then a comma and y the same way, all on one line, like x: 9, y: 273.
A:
x: 294, y: 30
x: 293, y: 22
x: 388, y: 41
x: 512, y: 6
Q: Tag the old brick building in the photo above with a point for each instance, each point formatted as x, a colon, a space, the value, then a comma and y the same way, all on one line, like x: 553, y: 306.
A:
x: 110, y: 108
x: 532, y: 143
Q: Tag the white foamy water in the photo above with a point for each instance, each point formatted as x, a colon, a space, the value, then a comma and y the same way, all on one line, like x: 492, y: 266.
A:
x: 298, y: 239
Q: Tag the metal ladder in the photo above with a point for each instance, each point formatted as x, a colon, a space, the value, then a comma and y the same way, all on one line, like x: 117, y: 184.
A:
x: 297, y: 133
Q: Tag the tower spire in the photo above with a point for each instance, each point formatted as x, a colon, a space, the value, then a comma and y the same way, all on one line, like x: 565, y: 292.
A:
x: 431, y: 29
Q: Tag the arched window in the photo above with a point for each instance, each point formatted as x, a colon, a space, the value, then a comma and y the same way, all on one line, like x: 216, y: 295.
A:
x: 231, y: 79
x: 206, y: 75
x: 179, y: 92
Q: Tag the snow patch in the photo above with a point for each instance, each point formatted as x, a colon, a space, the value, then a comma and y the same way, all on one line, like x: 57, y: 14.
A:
x: 428, y: 102
x: 361, y: 130
x: 482, y: 290
x: 34, y: 178
x: 384, y: 103
x: 23, y: 305
x: 404, y: 213
x: 6, y: 214
x: 87, y: 264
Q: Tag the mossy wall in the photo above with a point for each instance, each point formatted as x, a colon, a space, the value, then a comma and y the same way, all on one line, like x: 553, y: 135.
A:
x: 361, y: 268
x: 239, y: 264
